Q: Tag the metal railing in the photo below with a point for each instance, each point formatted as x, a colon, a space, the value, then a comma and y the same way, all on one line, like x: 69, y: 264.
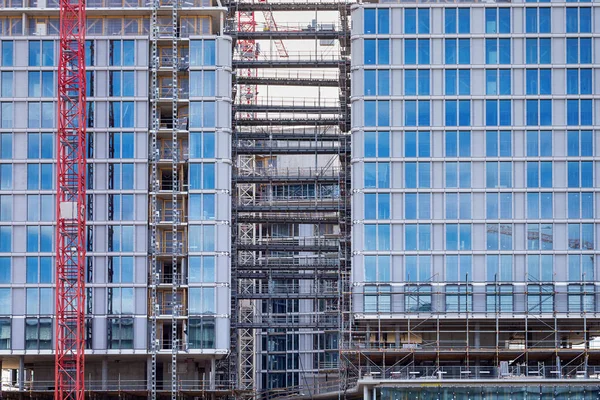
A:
x: 121, y: 385
x: 411, y: 372
x: 296, y: 172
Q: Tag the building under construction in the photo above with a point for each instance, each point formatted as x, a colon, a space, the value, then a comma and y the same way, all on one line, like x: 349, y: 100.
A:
x: 232, y: 252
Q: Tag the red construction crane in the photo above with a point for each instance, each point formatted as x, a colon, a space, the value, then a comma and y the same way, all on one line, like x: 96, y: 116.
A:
x: 70, y: 204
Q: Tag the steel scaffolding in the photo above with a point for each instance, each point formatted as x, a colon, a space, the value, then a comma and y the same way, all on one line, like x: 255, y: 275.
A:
x: 287, y: 285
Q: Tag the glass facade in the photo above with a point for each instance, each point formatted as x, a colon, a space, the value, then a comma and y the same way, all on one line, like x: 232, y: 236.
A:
x: 475, y: 160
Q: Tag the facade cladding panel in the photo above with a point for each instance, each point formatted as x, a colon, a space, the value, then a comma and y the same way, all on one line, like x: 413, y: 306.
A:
x: 475, y: 177
x: 118, y: 89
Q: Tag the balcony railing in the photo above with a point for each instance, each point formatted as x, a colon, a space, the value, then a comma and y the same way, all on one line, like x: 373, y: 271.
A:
x: 121, y: 385
x: 504, y: 371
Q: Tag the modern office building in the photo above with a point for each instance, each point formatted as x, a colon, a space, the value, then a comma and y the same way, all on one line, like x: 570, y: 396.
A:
x: 158, y: 194
x: 475, y: 198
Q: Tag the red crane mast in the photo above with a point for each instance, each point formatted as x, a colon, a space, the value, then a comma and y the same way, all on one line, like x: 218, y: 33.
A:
x: 70, y: 204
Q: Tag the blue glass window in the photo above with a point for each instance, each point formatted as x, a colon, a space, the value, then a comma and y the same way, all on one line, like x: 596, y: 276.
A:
x: 423, y: 15
x: 579, y: 20
x: 579, y: 112
x: 498, y: 112
x: 5, y: 239
x: 579, y: 50
x: 377, y: 144
x: 450, y: 20
x: 497, y: 20
x: 458, y: 144
x: 497, y: 51
x: 580, y: 144
x: 383, y: 51
x: 498, y: 144
x: 410, y: 20
x: 377, y: 21
x: 370, y: 51
x: 580, y: 174
x: 6, y: 53
x: 377, y: 175
x: 423, y: 47
x: 537, y: 20
x: 417, y: 144
x: 539, y: 143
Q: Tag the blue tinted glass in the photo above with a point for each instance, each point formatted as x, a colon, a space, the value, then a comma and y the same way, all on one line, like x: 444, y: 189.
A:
x: 370, y: 20
x: 410, y: 144
x: 491, y: 171
x: 546, y: 143
x: 410, y: 82
x: 451, y: 175
x: 423, y: 20
x: 504, y: 51
x: 546, y: 51
x: 424, y: 112
x: 383, y: 51
x: 572, y: 112
x: 464, y: 113
x: 531, y: 51
x: 585, y: 81
x: 425, y: 174
x: 370, y: 113
x: 505, y: 112
x: 491, y: 51
x: 370, y: 178
x: 586, y: 112
x: 370, y: 142
x: 451, y: 81
x: 451, y: 111
x: 423, y: 81
x: 451, y: 144
x: 545, y: 112
x: 531, y: 20
x: 572, y: 143
x: 573, y: 174
x: 587, y: 144
x: 370, y: 81
x: 504, y: 20
x: 464, y: 20
x: 465, y: 144
x: 451, y: 206
x: 383, y: 82
x: 532, y: 144
x: 383, y: 113
x: 383, y: 20
x: 410, y: 175
x: 531, y: 81
x: 533, y: 205
x: 505, y: 81
x: 545, y: 81
x: 572, y: 19
x: 383, y: 145
x: 491, y: 81
x: 410, y: 51
x: 450, y: 49
x: 545, y: 20
x: 572, y: 81
x: 370, y: 51
x: 546, y: 174
x: 587, y: 205
x: 423, y: 51
x: 410, y: 113
x: 410, y: 206
x: 7, y: 53
x: 587, y: 174
x: 491, y: 112
x: 370, y: 206
x: 410, y: 20
x: 450, y: 20
x: 464, y: 81
x: 532, y: 112
x: 505, y: 144
x: 572, y: 51
x: 491, y: 25
x: 585, y: 20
